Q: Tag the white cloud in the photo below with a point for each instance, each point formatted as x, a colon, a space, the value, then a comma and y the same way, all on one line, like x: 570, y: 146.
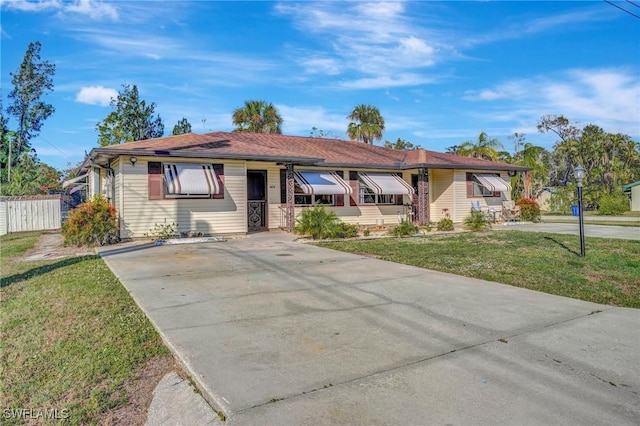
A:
x: 300, y: 120
x: 96, y: 10
x: 96, y: 95
x: 607, y: 97
x: 386, y: 81
x: 374, y: 39
x: 93, y: 9
x: 32, y: 6
x: 328, y: 66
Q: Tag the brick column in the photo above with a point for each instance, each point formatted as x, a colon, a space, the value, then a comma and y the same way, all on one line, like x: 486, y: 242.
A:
x: 290, y: 213
x: 423, y: 197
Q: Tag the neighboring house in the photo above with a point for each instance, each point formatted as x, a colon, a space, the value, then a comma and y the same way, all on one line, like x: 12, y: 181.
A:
x: 633, y: 189
x: 221, y: 182
x: 544, y: 197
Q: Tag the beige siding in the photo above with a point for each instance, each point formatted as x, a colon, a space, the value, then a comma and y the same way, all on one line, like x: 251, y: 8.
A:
x: 3, y: 216
x: 441, y: 193
x: 361, y: 214
x: 463, y: 204
x: 199, y: 215
x: 635, y: 198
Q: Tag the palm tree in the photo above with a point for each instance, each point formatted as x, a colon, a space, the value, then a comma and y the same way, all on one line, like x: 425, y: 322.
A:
x: 257, y: 117
x: 367, y: 124
x: 485, y: 148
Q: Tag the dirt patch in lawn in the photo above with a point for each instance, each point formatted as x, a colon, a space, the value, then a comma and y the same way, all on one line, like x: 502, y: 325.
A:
x: 51, y: 246
x: 140, y: 393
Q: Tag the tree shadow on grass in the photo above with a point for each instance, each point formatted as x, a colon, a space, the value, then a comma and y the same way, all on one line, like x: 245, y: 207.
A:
x: 23, y: 276
x: 567, y: 248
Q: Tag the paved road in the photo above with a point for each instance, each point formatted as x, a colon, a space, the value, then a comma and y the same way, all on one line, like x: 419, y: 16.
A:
x: 602, y: 231
x: 279, y: 332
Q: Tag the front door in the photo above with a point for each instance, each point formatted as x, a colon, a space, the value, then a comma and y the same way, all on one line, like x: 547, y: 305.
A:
x: 257, y: 200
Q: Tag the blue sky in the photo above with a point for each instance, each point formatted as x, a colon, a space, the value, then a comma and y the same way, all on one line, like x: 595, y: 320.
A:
x: 440, y: 72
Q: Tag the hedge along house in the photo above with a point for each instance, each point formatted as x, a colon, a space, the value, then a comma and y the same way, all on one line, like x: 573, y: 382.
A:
x: 220, y: 183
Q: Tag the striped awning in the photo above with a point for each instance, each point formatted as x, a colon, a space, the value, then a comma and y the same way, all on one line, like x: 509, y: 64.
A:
x: 321, y: 183
x: 191, y: 179
x: 493, y: 183
x: 381, y: 183
x: 75, y: 180
x: 77, y: 188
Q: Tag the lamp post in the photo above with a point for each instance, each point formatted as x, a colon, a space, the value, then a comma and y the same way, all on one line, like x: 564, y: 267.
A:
x: 578, y: 173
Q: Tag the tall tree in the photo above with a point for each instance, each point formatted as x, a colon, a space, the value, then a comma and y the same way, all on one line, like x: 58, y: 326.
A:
x: 366, y: 124
x: 609, y: 160
x: 32, y: 81
x: 400, y: 144
x: 31, y: 177
x: 182, y: 127
x: 132, y: 120
x: 257, y: 117
x: 486, y: 148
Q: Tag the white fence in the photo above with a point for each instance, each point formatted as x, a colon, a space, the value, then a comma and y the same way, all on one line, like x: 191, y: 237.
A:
x: 30, y: 213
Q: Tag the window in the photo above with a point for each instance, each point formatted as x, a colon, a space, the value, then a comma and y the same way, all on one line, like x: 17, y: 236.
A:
x: 307, y: 183
x: 382, y: 188
x: 367, y: 196
x: 476, y: 189
x: 185, y: 180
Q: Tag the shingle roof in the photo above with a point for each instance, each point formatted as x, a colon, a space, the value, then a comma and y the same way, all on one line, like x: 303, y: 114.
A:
x: 309, y: 150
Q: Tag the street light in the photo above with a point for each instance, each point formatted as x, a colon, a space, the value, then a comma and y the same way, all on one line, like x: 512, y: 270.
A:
x: 578, y: 173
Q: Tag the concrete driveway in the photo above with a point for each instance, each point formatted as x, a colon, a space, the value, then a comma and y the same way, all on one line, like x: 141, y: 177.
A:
x: 282, y: 333
x: 601, y: 231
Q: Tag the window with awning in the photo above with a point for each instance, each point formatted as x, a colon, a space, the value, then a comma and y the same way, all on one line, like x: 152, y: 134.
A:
x: 382, y: 188
x: 386, y: 184
x: 186, y: 179
x: 493, y: 183
x: 321, y: 183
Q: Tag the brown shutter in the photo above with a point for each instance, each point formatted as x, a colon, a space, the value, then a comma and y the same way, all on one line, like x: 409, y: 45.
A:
x: 155, y: 180
x: 354, y: 183
x: 469, y: 185
x: 339, y: 197
x: 219, y: 169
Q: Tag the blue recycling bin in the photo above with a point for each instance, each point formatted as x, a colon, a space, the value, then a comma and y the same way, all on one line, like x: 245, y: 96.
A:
x: 575, y: 211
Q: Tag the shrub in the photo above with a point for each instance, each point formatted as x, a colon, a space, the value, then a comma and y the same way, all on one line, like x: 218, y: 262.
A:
x: 445, y: 224
x: 477, y: 221
x: 317, y: 221
x: 366, y: 232
x: 529, y: 209
x: 613, y: 204
x: 345, y: 230
x: 92, y: 223
x: 162, y: 231
x: 404, y: 229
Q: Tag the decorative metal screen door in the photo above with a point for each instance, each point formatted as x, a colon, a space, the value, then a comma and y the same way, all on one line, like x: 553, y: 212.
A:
x: 256, y: 200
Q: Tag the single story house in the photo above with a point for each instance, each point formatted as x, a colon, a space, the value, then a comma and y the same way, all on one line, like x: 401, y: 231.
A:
x: 633, y: 189
x: 228, y: 182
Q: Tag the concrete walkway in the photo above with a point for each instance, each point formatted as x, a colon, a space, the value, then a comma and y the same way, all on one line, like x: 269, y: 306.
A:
x: 278, y: 332
x: 601, y: 231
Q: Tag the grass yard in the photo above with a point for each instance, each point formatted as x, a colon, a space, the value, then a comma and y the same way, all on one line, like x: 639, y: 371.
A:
x: 72, y: 339
x: 609, y: 274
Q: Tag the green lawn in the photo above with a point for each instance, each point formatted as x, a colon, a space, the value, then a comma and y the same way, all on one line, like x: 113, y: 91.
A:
x: 72, y: 338
x: 609, y: 274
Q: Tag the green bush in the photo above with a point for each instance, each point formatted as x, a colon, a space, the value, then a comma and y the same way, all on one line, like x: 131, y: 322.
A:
x: 404, y: 229
x: 562, y: 199
x: 366, y: 232
x: 317, y: 222
x: 613, y: 204
x: 529, y: 209
x: 477, y: 221
x: 92, y: 223
x: 345, y: 230
x: 162, y: 231
x: 445, y: 224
